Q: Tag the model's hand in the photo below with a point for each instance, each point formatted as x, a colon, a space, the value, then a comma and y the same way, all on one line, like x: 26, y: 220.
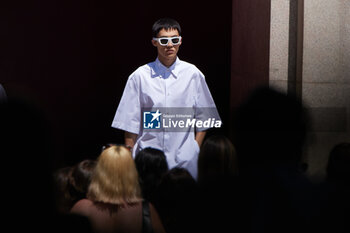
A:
x: 200, y: 137
x: 130, y: 139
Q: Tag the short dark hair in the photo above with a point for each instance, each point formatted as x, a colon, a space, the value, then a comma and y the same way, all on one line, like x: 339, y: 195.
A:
x: 165, y: 23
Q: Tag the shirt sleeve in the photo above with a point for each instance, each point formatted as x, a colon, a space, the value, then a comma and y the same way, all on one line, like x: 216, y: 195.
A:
x: 128, y: 113
x: 205, y: 106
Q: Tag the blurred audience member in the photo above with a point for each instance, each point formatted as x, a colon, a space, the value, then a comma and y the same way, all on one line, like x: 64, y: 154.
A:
x: 81, y: 177
x: 71, y: 184
x: 64, y: 198
x: 217, y: 179
x: 269, y: 133
x: 217, y: 160
x: 26, y: 157
x: 176, y: 201
x: 270, y: 127
x: 151, y: 165
x: 338, y: 169
x: 114, y: 202
x: 336, y: 212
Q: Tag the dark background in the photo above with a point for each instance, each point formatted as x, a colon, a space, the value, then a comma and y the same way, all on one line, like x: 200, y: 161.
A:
x: 72, y: 58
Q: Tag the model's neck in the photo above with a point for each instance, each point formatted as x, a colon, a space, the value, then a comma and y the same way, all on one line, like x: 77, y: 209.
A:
x: 167, y: 62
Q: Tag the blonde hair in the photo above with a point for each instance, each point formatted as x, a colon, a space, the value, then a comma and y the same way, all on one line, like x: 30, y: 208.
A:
x: 115, y: 178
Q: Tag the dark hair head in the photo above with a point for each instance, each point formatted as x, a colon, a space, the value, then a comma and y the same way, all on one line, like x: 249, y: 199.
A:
x: 63, y: 197
x: 81, y: 176
x: 177, y: 180
x: 165, y: 23
x: 217, y: 159
x: 177, y: 188
x: 151, y: 165
x: 270, y: 127
x: 338, y: 168
x: 176, y: 200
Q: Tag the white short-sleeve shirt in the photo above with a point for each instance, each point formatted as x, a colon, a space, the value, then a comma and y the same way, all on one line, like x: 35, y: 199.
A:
x: 155, y: 86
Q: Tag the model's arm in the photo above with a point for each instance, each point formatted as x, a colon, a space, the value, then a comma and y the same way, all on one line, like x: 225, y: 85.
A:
x: 200, y: 137
x: 130, y: 139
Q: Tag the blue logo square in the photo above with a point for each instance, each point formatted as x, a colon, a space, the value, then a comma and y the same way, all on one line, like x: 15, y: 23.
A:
x: 152, y: 120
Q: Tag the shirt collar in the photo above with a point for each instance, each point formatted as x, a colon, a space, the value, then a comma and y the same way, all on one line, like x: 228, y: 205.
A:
x: 174, y: 68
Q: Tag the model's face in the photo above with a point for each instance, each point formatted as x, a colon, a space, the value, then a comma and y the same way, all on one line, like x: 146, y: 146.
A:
x: 169, y: 51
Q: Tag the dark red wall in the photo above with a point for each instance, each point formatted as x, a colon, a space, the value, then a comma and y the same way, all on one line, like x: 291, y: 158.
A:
x: 250, y: 48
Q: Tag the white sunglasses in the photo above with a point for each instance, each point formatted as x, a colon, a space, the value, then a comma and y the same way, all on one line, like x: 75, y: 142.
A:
x: 164, y: 41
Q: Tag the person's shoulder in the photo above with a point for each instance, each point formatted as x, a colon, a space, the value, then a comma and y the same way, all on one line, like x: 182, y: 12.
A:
x: 82, y: 205
x: 186, y: 64
x: 142, y: 70
x: 146, y: 67
x: 155, y: 220
x: 190, y: 67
